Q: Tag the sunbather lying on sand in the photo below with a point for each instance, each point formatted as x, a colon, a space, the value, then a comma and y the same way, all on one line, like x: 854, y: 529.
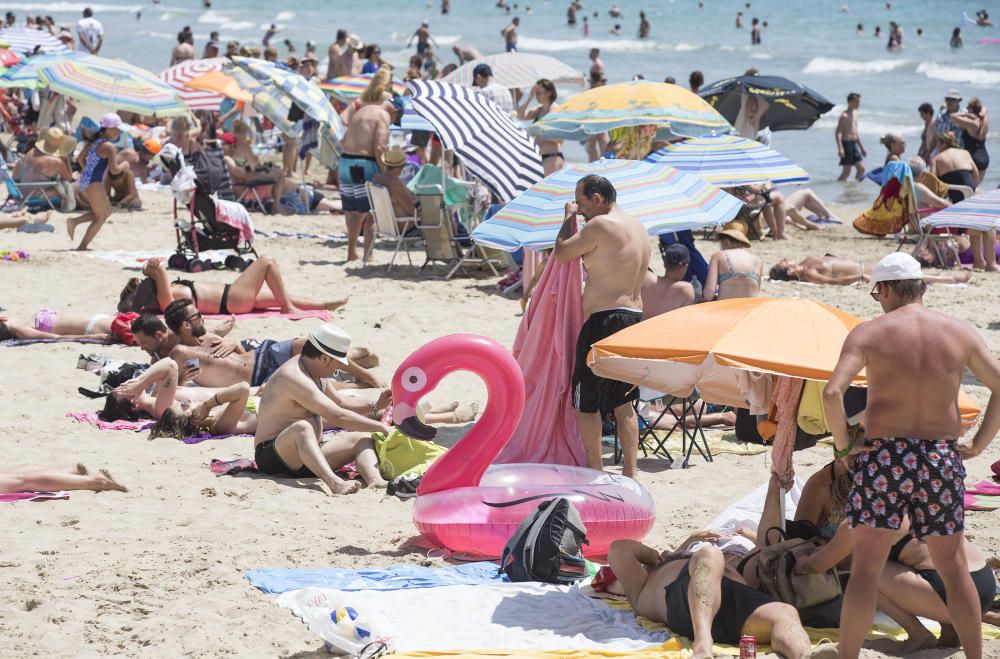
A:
x: 259, y: 287
x: 49, y: 324
x: 36, y: 478
x: 843, y: 272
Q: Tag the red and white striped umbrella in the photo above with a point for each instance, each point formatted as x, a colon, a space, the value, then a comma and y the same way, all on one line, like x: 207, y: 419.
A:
x: 197, y: 99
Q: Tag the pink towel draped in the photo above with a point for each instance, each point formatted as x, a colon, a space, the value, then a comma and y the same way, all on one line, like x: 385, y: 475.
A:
x: 544, y: 348
x: 121, y: 424
x: 236, y: 216
x: 787, y: 393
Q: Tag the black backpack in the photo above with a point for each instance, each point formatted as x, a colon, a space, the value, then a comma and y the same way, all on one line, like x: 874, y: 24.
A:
x: 547, y: 545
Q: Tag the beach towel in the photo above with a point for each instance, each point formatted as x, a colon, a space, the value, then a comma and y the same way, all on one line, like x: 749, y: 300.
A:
x: 548, y: 432
x: 719, y: 442
x: 811, y: 416
x: 135, y: 258
x: 394, y: 577
x: 120, y: 424
x: 14, y: 343
x: 982, y: 496
x: 521, y: 616
x: 300, y: 235
x: 236, y: 216
x: 14, y: 497
x: 322, y: 314
x: 224, y: 467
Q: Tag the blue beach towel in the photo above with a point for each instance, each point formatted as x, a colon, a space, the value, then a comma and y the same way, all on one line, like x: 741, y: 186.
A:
x: 396, y: 577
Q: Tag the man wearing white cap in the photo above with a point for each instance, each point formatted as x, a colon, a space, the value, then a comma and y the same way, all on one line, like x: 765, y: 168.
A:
x: 910, y: 464
x: 296, y: 406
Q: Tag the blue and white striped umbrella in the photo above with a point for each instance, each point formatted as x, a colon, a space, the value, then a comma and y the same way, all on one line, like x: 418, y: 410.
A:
x: 979, y: 212
x: 22, y: 40
x: 728, y: 160
x: 410, y: 119
x: 663, y: 198
x: 25, y: 74
x: 492, y: 147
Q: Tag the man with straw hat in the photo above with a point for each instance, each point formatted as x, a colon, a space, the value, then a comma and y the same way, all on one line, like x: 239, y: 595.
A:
x: 49, y: 162
x: 299, y: 401
x: 389, y: 178
x: 910, y: 464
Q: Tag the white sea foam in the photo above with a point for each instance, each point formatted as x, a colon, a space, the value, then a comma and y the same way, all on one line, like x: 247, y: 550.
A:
x: 937, y: 71
x: 225, y: 22
x: 284, y: 16
x: 835, y: 65
x: 67, y: 7
x: 606, y: 45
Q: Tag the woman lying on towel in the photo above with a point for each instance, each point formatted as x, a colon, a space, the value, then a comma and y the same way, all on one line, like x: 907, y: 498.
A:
x: 49, y: 324
x: 258, y: 288
x: 35, y: 478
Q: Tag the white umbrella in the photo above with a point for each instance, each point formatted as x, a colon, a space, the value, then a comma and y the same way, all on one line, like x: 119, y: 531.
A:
x: 517, y: 70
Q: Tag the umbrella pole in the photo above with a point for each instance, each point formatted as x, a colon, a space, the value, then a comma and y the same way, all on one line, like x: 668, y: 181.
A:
x: 781, y: 506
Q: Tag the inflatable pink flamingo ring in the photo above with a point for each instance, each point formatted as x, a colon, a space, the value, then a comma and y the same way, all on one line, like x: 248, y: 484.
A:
x: 468, y: 505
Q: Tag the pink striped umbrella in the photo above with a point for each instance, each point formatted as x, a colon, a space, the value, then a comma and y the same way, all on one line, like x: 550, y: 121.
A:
x: 179, y: 75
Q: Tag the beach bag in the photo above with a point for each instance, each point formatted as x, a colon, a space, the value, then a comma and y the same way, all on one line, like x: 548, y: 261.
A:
x: 547, y: 545
x: 776, y: 572
x: 890, y: 212
x: 399, y: 454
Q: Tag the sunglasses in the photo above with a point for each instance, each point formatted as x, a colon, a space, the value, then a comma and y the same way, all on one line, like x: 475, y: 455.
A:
x: 876, y: 295
x: 195, y: 316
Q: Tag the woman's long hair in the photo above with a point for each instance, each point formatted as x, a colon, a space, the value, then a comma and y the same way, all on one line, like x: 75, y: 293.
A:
x: 173, y: 424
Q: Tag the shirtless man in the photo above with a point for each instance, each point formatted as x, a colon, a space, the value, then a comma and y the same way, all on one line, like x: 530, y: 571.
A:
x: 669, y: 292
x: 335, y: 62
x: 184, y: 50
x: 509, y: 34
x: 295, y: 405
x: 596, y: 66
x: 615, y: 251
x: 700, y: 596
x: 466, y: 53
x: 844, y: 272
x: 910, y: 463
x: 423, y: 37
x: 849, y: 147
x: 366, y: 139
x: 47, y: 162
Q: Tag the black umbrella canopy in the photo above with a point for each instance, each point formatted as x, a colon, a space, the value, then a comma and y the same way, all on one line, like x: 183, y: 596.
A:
x: 791, y: 106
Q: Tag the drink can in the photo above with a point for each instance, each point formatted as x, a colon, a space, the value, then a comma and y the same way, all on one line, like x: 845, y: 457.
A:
x: 748, y: 647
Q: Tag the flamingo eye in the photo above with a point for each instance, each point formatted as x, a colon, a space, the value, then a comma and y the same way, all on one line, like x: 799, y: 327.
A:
x: 414, y: 379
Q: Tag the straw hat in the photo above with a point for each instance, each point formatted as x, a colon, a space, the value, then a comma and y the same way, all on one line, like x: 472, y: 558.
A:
x: 54, y: 142
x: 394, y: 157
x: 355, y: 42
x: 737, y: 235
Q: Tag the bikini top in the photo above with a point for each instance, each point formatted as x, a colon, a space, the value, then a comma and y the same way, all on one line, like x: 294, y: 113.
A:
x: 726, y: 276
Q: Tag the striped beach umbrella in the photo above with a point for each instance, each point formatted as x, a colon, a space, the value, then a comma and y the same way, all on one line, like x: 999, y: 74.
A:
x: 348, y: 88
x: 728, y: 160
x: 663, y: 198
x: 23, y: 40
x: 492, y: 147
x: 517, y: 71
x: 25, y: 74
x: 675, y: 111
x: 979, y: 212
x: 179, y: 75
x: 111, y: 83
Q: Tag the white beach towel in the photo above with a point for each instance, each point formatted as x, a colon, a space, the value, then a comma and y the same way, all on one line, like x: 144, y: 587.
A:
x: 746, y: 513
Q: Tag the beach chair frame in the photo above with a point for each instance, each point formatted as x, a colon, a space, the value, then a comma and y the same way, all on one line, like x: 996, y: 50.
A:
x: 689, y: 436
x: 386, y: 224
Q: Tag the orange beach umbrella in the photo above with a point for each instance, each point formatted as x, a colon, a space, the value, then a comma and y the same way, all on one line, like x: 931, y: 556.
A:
x: 219, y: 83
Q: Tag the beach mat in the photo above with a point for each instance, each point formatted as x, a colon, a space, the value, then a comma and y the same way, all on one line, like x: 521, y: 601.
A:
x: 395, y: 577
x: 982, y: 496
x: 14, y: 343
x: 138, y: 426
x: 14, y: 497
x: 300, y: 235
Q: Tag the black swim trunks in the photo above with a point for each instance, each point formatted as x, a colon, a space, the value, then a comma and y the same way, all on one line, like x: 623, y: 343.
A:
x: 592, y: 393
x: 920, y: 478
x: 269, y: 462
x: 852, y: 153
x: 983, y: 579
x: 739, y: 601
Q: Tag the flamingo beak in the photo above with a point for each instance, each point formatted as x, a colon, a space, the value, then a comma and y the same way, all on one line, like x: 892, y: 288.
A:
x: 413, y: 427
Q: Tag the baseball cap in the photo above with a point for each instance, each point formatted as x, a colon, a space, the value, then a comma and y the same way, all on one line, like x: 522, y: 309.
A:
x: 111, y: 120
x: 482, y: 70
x: 331, y: 341
x: 953, y: 94
x: 896, y: 267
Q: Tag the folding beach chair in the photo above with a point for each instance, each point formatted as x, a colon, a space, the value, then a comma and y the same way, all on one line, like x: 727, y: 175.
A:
x: 689, y: 436
x: 941, y: 245
x: 386, y: 222
x: 30, y: 195
x: 434, y: 223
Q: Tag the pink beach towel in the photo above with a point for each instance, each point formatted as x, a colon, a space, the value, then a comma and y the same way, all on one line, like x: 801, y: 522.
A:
x: 13, y: 497
x: 322, y: 314
x: 544, y: 348
x: 121, y: 424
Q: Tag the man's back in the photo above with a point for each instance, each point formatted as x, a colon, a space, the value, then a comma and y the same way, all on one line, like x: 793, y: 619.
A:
x: 660, y: 295
x: 915, y: 359
x: 616, y: 268
x: 368, y: 127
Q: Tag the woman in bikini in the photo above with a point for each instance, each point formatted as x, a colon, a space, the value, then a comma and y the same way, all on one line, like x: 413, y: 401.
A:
x: 955, y: 166
x: 49, y: 324
x: 733, y: 271
x: 545, y: 93
x: 259, y: 287
x: 97, y: 158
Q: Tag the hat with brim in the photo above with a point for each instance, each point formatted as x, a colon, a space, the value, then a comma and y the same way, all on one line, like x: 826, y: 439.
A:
x: 737, y: 235
x: 953, y: 95
x: 331, y: 341
x: 355, y: 42
x: 394, y: 157
x: 898, y: 266
x: 309, y: 57
x: 54, y: 142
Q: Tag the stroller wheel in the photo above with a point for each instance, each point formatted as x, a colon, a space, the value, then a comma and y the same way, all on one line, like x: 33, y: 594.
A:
x: 177, y: 261
x: 195, y: 266
x: 234, y: 262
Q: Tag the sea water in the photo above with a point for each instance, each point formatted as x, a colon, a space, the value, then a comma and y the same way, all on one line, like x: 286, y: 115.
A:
x: 810, y: 41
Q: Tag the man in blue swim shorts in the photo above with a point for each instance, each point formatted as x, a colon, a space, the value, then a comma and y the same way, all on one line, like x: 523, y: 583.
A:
x: 910, y: 465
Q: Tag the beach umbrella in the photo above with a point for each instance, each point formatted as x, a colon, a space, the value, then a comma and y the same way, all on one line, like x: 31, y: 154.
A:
x: 25, y: 74
x: 219, y: 83
x: 517, y: 70
x: 729, y: 160
x: 980, y: 212
x: 675, y: 111
x: 23, y: 40
x: 8, y: 58
x: 491, y: 145
x: 664, y: 199
x: 791, y: 106
x: 179, y: 75
x: 348, y: 88
x: 410, y: 120
x: 111, y: 83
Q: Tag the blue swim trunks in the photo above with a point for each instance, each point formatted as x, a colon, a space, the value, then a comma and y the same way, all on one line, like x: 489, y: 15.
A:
x: 355, y: 171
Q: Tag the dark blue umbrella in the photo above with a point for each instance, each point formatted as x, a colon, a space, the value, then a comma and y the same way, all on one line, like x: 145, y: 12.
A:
x: 791, y: 106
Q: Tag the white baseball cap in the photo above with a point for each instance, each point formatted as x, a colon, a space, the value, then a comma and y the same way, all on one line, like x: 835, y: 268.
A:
x: 331, y: 341
x: 895, y: 267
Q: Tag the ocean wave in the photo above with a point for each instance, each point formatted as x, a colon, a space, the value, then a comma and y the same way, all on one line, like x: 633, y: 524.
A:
x: 284, y: 16
x: 834, y: 65
x: 606, y: 45
x: 77, y: 7
x: 871, y: 127
x: 214, y: 18
x: 937, y: 71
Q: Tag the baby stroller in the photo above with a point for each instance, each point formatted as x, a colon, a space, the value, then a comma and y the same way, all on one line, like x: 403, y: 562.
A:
x: 215, y: 220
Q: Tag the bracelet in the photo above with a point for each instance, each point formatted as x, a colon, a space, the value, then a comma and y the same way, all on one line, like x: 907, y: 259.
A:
x: 841, y: 454
x: 375, y: 409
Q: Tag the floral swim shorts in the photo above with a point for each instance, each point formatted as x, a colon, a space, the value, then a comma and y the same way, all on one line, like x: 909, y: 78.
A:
x: 920, y: 478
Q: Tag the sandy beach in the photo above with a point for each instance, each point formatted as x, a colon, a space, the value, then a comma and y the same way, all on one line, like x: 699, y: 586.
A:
x: 158, y: 571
